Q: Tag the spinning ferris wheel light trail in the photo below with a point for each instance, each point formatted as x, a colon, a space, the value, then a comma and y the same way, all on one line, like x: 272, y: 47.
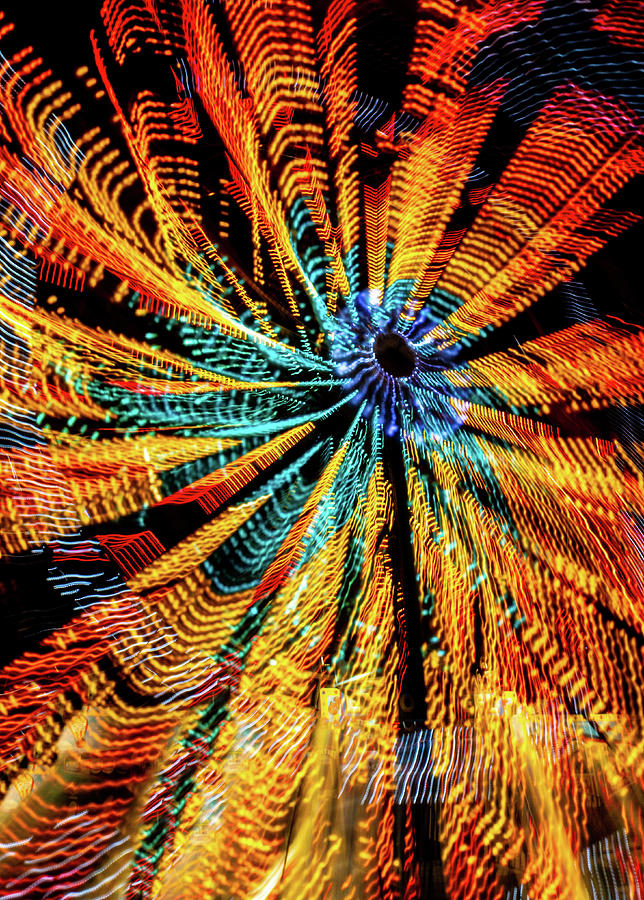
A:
x: 322, y: 497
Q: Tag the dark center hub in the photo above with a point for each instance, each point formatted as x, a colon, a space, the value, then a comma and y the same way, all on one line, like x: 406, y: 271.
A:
x: 394, y: 354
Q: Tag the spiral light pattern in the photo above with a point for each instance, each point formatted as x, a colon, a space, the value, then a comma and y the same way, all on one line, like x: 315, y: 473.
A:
x: 322, y: 500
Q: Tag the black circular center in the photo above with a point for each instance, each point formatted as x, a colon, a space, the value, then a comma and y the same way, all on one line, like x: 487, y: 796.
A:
x: 394, y: 354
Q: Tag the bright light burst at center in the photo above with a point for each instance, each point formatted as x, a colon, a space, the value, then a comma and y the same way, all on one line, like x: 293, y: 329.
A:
x: 396, y: 375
